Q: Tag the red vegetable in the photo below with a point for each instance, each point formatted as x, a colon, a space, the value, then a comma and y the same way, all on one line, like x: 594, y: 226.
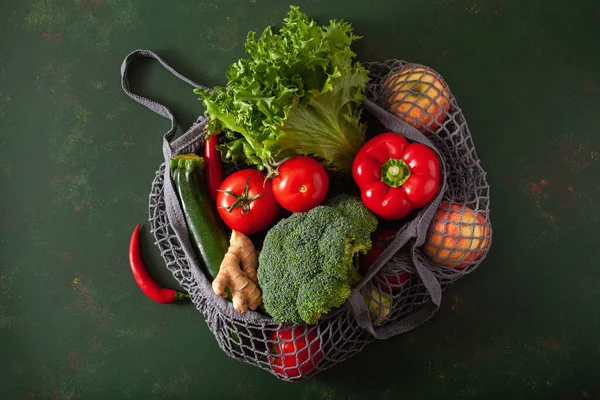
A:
x: 381, y: 238
x: 143, y: 279
x: 212, y: 157
x: 295, y: 352
x: 245, y: 201
x: 394, y: 176
x: 301, y: 184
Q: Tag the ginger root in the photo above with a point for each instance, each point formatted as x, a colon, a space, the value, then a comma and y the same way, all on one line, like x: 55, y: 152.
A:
x: 238, y: 270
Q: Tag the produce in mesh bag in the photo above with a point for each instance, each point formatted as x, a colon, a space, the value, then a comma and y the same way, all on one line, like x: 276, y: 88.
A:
x: 309, y: 261
x: 395, y: 177
x: 296, y: 351
x: 380, y: 305
x: 457, y: 236
x: 388, y: 281
x: 237, y: 273
x: 401, y: 288
x: 419, y: 96
x: 245, y: 201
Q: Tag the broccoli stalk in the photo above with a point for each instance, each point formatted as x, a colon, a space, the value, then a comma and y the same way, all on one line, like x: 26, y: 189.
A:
x: 308, y: 262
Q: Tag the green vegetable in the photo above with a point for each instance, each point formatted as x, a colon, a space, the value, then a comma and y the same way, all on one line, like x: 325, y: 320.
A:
x: 308, y: 262
x: 379, y: 304
x: 299, y: 93
x: 207, y: 232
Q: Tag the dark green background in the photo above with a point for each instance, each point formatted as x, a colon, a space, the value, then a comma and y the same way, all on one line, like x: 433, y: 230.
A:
x: 77, y: 158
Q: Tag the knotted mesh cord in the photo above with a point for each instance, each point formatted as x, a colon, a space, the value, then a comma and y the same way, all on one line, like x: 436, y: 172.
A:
x: 396, y: 290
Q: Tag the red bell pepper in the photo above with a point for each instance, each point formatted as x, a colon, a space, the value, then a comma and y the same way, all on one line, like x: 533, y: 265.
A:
x: 394, y: 176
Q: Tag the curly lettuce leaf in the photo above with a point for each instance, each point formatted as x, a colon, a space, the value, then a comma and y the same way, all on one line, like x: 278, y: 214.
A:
x: 298, y: 92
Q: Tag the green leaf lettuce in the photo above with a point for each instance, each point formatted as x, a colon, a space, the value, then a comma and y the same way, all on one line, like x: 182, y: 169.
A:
x: 298, y: 92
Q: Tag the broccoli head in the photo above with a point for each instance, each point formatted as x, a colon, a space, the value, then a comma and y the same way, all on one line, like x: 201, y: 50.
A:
x: 309, y: 260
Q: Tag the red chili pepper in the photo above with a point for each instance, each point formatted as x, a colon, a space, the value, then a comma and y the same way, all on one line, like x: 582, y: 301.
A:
x: 144, y: 280
x: 214, y: 174
x: 394, y: 176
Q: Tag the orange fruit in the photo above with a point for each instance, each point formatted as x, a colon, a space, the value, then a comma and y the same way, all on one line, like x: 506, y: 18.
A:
x: 418, y: 96
x: 457, y: 235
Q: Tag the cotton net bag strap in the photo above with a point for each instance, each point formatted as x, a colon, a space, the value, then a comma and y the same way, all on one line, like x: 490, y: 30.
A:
x: 415, y: 229
x: 171, y: 147
x: 403, y: 97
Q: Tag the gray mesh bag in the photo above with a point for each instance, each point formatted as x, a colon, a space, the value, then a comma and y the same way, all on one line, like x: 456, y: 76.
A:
x: 442, y: 242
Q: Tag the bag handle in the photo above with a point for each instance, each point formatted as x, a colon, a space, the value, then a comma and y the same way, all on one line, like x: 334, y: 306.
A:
x: 417, y: 230
x: 170, y: 147
x: 151, y: 104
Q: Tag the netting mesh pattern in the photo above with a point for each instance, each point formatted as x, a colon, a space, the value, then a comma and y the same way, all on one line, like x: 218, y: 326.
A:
x: 460, y: 234
x: 301, y: 350
x: 458, y: 240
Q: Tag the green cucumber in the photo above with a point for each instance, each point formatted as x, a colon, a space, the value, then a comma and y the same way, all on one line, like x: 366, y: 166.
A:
x: 207, y: 232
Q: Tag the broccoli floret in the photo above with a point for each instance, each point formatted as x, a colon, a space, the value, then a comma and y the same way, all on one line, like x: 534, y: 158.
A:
x: 308, y: 261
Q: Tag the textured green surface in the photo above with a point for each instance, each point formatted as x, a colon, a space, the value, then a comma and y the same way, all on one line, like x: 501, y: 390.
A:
x: 77, y: 158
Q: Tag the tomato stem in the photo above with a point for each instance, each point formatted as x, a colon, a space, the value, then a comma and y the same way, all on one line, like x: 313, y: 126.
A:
x: 242, y: 200
x: 272, y: 167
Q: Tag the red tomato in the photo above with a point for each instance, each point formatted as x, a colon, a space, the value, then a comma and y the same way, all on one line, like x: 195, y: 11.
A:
x: 394, y: 282
x: 295, y: 352
x: 245, y: 201
x: 381, y: 239
x: 301, y: 184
